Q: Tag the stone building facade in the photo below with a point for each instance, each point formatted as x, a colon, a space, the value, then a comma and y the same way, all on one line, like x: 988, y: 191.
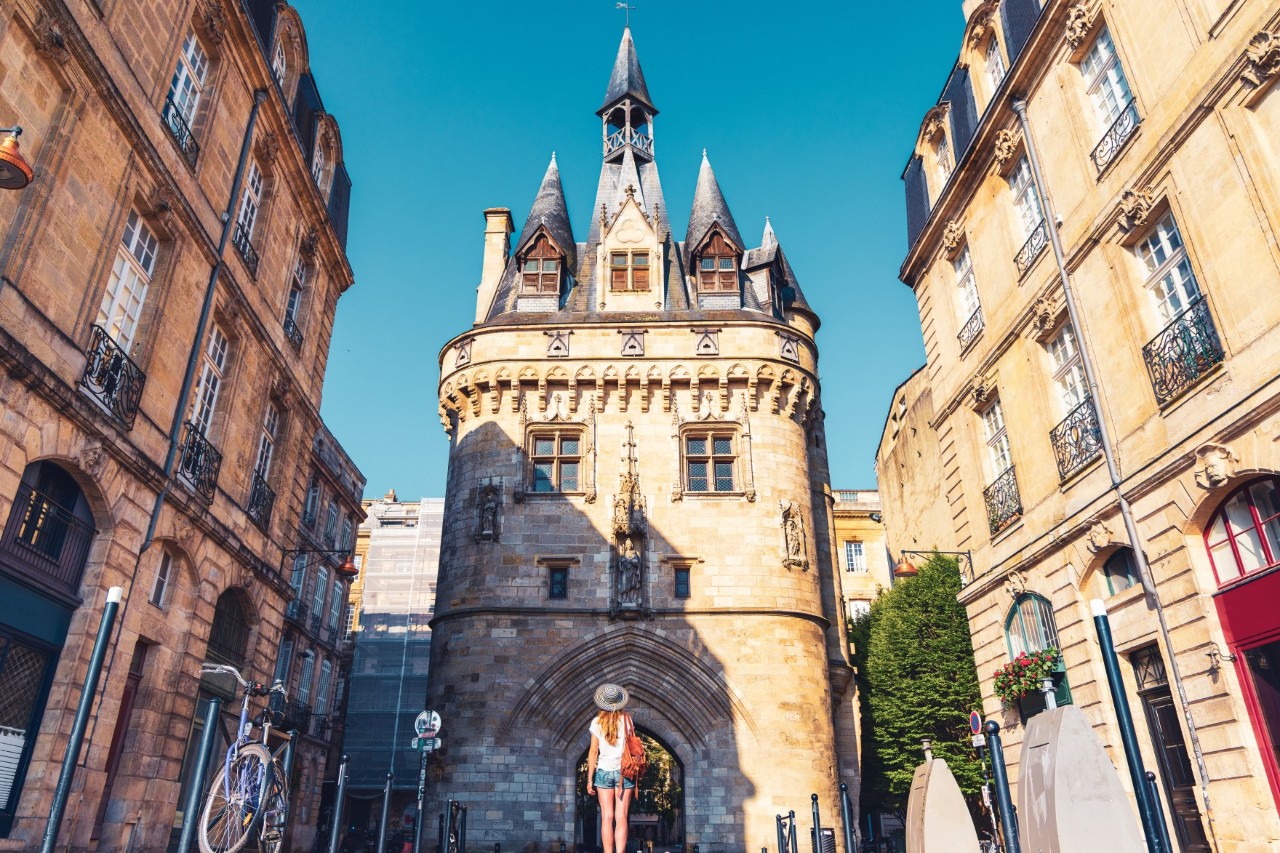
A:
x: 861, y: 555
x: 1121, y: 154
x: 637, y: 493
x: 135, y: 117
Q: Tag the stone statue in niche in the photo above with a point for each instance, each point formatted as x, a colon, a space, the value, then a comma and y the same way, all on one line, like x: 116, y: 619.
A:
x: 490, y: 501
x: 793, y: 537
x: 628, y: 574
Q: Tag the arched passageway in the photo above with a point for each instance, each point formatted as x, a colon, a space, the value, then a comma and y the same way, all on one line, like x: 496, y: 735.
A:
x: 657, y: 813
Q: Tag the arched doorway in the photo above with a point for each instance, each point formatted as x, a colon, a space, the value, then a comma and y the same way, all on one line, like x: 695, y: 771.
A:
x: 43, y: 550
x: 657, y: 813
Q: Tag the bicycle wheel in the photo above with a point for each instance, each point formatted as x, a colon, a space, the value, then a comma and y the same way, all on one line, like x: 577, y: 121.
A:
x: 275, y: 815
x: 231, y: 813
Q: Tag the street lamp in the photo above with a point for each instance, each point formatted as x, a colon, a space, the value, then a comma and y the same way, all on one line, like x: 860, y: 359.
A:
x: 348, y: 569
x: 964, y: 562
x: 15, y: 171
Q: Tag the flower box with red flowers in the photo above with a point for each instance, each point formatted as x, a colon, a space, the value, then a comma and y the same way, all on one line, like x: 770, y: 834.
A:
x: 1025, y: 674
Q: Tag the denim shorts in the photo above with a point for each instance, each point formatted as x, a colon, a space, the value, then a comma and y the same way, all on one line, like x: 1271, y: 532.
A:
x: 608, y: 779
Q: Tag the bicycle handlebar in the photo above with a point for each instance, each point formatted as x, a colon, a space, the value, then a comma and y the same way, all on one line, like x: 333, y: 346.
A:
x: 253, y: 688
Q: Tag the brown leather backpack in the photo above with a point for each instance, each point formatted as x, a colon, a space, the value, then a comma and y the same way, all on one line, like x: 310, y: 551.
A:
x: 634, y: 759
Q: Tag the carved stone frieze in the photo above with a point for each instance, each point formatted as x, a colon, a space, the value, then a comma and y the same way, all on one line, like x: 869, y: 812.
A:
x: 1079, y: 21
x: 952, y: 237
x: 1006, y: 145
x: 1216, y: 464
x: 1135, y: 207
x: 1262, y: 59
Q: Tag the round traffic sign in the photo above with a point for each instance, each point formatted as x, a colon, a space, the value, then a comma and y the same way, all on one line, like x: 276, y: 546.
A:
x: 427, y: 724
x: 975, y: 722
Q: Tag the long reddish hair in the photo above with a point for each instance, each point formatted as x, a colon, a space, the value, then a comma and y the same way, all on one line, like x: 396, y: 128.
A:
x: 610, y: 722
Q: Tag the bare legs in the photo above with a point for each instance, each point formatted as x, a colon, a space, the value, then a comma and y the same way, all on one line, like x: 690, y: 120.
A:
x: 614, y: 812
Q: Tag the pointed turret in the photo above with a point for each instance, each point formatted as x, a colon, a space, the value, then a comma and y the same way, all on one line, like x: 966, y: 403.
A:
x: 627, y: 80
x: 549, y: 211
x: 709, y: 208
x: 769, y: 238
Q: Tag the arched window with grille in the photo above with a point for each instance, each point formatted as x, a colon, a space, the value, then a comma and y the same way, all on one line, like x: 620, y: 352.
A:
x: 1029, y: 628
x: 229, y: 633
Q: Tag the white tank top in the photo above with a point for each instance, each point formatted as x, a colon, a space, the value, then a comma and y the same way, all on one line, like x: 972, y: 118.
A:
x: 610, y: 757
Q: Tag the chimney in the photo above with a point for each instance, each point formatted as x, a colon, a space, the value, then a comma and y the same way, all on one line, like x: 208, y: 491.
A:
x: 497, y: 248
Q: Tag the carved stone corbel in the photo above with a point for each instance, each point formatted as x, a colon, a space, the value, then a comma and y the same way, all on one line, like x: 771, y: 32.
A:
x: 934, y: 120
x: 1045, y: 316
x: 1135, y: 207
x: 1100, y: 535
x: 952, y: 237
x: 309, y: 243
x: 268, y: 147
x: 213, y: 20
x: 160, y: 204
x: 1005, y: 146
x: 50, y: 41
x: 984, y: 387
x: 91, y: 457
x: 1079, y: 22
x: 1262, y: 59
x: 1015, y: 584
x: 1217, y: 464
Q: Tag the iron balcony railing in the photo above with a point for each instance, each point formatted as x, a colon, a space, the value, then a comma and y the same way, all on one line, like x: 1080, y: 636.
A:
x: 1184, y: 351
x: 45, y: 541
x: 261, y: 499
x: 1077, y: 440
x: 174, y: 119
x: 1004, y: 504
x: 1032, y: 248
x: 291, y: 331
x: 111, y: 377
x: 971, y: 329
x: 309, y: 515
x: 242, y: 239
x: 296, y: 611
x: 200, y: 462
x: 1116, y: 136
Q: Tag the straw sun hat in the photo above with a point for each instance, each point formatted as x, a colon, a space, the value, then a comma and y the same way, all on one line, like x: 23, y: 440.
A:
x: 611, y: 697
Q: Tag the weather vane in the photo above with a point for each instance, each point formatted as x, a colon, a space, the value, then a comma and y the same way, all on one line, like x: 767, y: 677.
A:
x: 628, y: 7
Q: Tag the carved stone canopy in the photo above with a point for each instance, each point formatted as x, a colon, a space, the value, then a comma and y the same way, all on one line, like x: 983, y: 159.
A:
x: 1135, y: 208
x: 1005, y: 146
x: 1216, y: 464
x: 980, y: 23
x: 1079, y: 21
x: 934, y: 121
x: 1262, y: 59
x: 952, y: 237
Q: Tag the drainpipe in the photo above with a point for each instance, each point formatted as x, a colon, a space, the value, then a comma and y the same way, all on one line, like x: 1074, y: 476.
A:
x: 1108, y: 453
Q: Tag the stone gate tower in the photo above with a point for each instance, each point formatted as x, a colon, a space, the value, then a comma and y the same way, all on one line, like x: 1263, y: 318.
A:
x: 637, y: 493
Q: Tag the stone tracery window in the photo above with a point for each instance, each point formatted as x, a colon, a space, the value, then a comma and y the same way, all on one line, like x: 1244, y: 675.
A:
x: 556, y: 459
x: 710, y: 460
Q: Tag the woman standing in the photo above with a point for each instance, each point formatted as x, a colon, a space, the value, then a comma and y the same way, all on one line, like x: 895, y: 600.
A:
x: 604, y: 766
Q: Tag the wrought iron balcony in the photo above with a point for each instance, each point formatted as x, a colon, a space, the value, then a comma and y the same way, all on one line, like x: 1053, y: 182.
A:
x: 1032, y: 248
x: 971, y: 329
x: 177, y: 123
x: 1116, y: 136
x: 296, y: 611
x: 200, y: 462
x: 45, y: 541
x: 1004, y: 504
x: 241, y: 238
x: 1186, y: 350
x: 1077, y: 440
x: 291, y: 331
x: 261, y: 498
x: 111, y: 377
x: 309, y: 515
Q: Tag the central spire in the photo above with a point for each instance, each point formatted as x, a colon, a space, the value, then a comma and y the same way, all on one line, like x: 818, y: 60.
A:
x: 628, y: 110
x: 627, y: 80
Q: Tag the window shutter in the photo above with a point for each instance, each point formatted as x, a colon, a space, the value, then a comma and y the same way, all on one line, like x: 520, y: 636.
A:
x: 963, y: 112
x: 917, y: 199
x: 1019, y: 19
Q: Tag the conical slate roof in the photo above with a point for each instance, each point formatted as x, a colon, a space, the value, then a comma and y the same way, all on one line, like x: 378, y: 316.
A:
x: 549, y: 210
x: 627, y: 80
x: 709, y: 208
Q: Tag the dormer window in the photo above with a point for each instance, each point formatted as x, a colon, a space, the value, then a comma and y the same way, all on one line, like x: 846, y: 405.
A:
x: 718, y: 266
x: 541, y: 269
x: 628, y: 271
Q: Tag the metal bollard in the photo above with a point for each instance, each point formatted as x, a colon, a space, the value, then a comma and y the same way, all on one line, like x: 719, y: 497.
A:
x: 817, y: 825
x: 339, y: 801
x: 191, y: 813
x: 782, y: 834
x: 386, y: 813
x: 1159, y: 810
x: 791, y: 831
x: 462, y: 830
x: 1008, y: 820
x: 846, y: 814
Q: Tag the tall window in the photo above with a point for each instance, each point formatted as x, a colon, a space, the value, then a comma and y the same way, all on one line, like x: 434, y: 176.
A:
x: 718, y: 266
x: 331, y: 523
x: 1026, y: 199
x: 298, y: 578
x: 318, y: 592
x: 946, y: 165
x: 312, y: 504
x: 557, y: 457
x: 335, y: 606
x: 541, y: 271
x: 854, y: 559
x: 629, y: 271
x: 1031, y: 627
x: 293, y: 305
x: 997, y: 438
x: 1068, y: 368
x: 1170, y: 279
x: 322, y: 690
x: 558, y: 581
x: 347, y: 529
x: 1104, y: 79
x: 130, y: 277
x: 251, y: 203
x: 709, y: 461
x: 304, y: 680
x: 318, y: 165
x: 682, y: 581
x: 966, y: 283
x: 267, y: 442
x: 160, y: 587
x: 279, y: 64
x: 213, y: 361
x: 995, y: 64
x: 283, y: 660
x: 1244, y: 534
x: 189, y: 78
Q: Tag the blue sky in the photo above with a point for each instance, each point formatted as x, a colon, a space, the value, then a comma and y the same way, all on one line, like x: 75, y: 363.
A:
x: 807, y: 110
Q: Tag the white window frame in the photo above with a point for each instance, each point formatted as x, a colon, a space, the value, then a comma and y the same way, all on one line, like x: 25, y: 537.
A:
x: 322, y: 689
x: 946, y: 163
x: 966, y: 283
x: 298, y: 577
x: 164, y: 579
x: 996, y: 69
x: 1068, y: 368
x: 131, y: 276
x: 1104, y: 79
x: 1170, y: 279
x: 1026, y: 198
x: 855, y: 557
x: 335, y: 606
x: 279, y: 62
x: 304, y: 678
x: 319, y: 591
x: 213, y: 365
x: 251, y: 200
x: 189, y: 77
x: 319, y: 164
x: 267, y: 442
x: 297, y: 285
x: 284, y: 658
x: 997, y: 436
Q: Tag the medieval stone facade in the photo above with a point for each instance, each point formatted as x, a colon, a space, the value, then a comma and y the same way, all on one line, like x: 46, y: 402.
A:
x: 135, y: 115
x: 637, y: 493
x: 1121, y: 153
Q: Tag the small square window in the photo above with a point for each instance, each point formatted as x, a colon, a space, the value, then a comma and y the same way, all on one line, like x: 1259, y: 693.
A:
x: 544, y: 446
x: 722, y: 445
x: 569, y: 446
x: 697, y: 476
x: 697, y: 445
x: 531, y: 265
x: 640, y: 259
x: 726, y: 263
x: 559, y: 582
x: 708, y: 264
x: 682, y: 581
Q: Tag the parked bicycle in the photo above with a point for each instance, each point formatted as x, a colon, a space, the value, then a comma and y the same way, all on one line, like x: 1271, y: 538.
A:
x: 250, y: 797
